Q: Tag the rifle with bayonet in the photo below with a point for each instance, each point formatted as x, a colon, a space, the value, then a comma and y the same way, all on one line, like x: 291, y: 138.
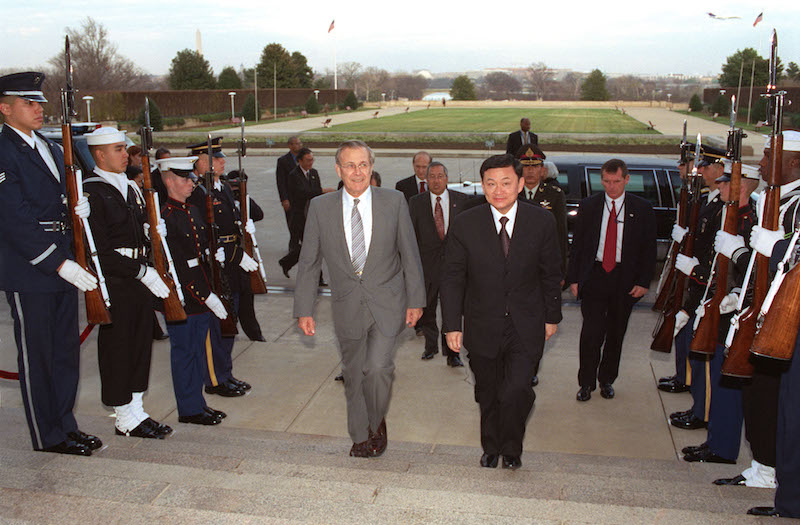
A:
x: 745, y: 324
x: 162, y: 258
x: 219, y: 285
x: 97, y: 301
x: 664, y: 332
x: 258, y: 278
x: 707, y: 332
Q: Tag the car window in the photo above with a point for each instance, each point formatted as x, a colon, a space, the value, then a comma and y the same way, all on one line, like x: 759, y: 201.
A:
x: 675, y: 178
x: 82, y: 148
x: 642, y: 183
x: 563, y: 181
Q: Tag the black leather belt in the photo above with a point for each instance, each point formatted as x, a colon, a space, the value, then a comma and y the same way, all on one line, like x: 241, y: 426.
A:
x: 55, y: 226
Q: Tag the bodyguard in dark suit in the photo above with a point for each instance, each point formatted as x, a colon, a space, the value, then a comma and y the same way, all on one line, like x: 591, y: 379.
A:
x: 415, y: 184
x: 284, y: 166
x: 520, y: 138
x: 37, y: 271
x: 502, y: 278
x: 610, y: 268
x: 431, y: 214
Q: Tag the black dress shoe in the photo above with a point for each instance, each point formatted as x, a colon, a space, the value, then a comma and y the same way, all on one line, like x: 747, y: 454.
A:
x: 203, y: 418
x: 584, y: 394
x: 69, y: 447
x: 667, y: 379
x: 162, y: 337
x: 694, y: 449
x: 689, y: 423
x: 535, y: 381
x: 673, y: 387
x: 259, y: 338
x: 681, y: 415
x: 166, y: 430
x: 360, y: 450
x: 225, y: 390
x: 241, y: 385
x: 340, y: 377
x: 489, y: 460
x: 512, y: 462
x: 143, y: 430
x: 285, y: 270
x: 764, y: 511
x: 428, y: 354
x: 738, y: 480
x: 454, y: 361
x: 378, y: 440
x: 706, y: 456
x: 216, y: 413
x: 607, y: 391
x: 93, y: 442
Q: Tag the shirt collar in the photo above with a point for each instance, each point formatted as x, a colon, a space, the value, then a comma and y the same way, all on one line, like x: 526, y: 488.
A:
x: 713, y: 194
x: 511, y: 214
x: 118, y: 180
x: 790, y: 186
x: 445, y: 197
x: 363, y: 199
x: 617, y: 202
x: 29, y: 139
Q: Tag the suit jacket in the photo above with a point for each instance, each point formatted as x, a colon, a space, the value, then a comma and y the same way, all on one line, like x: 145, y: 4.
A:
x: 301, y: 190
x: 29, y: 194
x: 638, y: 241
x: 431, y: 248
x: 392, y: 278
x: 480, y: 285
x: 285, y: 165
x: 515, y: 141
x: 550, y: 196
x: 409, y: 186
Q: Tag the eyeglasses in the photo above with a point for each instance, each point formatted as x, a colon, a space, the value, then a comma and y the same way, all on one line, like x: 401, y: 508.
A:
x: 351, y: 166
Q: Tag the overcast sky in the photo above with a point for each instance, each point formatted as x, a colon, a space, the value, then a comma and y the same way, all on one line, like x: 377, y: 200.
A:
x: 617, y: 36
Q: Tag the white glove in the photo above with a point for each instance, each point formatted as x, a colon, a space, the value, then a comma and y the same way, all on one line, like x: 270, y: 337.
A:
x: 219, y: 255
x: 685, y: 264
x: 215, y: 305
x: 729, y: 303
x: 161, y: 228
x: 763, y: 240
x: 250, y: 227
x: 678, y: 233
x: 247, y: 263
x: 726, y: 243
x: 72, y: 272
x: 82, y: 208
x: 153, y: 281
x: 681, y: 318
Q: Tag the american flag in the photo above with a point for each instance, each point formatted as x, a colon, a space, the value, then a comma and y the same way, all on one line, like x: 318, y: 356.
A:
x: 759, y: 18
x: 331, y: 27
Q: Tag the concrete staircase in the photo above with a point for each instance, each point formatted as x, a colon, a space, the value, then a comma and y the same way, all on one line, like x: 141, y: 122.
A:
x: 233, y: 475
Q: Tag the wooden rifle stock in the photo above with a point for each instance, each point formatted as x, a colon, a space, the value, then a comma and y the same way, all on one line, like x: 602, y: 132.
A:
x: 778, y: 332
x: 257, y: 284
x: 669, y: 266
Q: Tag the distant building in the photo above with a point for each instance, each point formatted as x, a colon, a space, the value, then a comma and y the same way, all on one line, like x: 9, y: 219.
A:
x: 438, y: 96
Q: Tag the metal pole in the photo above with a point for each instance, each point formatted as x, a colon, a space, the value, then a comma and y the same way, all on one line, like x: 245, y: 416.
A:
x: 275, y: 88
x: 255, y: 86
x: 739, y: 89
x: 232, y: 94
x: 750, y: 100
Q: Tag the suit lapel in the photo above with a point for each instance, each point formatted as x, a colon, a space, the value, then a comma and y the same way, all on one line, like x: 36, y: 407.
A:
x: 379, y: 222
x: 628, y: 221
x: 597, y: 218
x: 337, y: 220
x: 490, y: 233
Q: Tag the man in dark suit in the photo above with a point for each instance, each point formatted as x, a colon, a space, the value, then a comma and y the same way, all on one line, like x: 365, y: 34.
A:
x: 415, y: 184
x: 285, y: 165
x: 431, y: 214
x: 521, y: 138
x: 502, y: 277
x: 610, y: 268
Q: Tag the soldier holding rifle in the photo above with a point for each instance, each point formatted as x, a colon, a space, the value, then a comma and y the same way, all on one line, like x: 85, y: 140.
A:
x: 37, y: 270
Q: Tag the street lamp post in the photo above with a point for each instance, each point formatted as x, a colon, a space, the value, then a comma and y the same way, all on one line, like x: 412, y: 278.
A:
x: 669, y: 100
x: 232, y: 94
x: 383, y: 97
x: 88, y: 99
x: 316, y: 94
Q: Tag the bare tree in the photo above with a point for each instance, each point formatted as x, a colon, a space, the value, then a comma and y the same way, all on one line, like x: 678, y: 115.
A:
x: 350, y: 73
x: 502, y: 84
x: 373, y: 79
x: 539, y: 78
x: 572, y: 85
x: 627, y: 87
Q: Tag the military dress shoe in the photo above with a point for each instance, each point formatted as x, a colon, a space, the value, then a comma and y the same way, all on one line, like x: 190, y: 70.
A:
x: 378, y: 440
x: 673, y: 387
x: 203, y: 418
x: 694, y: 449
x: 764, y: 511
x: 584, y: 394
x: 512, y: 462
x: 143, y: 430
x: 69, y: 447
x: 166, y: 430
x: 738, y: 480
x: 340, y: 377
x: 93, y: 442
x: 428, y: 354
x: 667, y: 379
x: 219, y: 414
x: 489, y: 460
x: 259, y: 338
x: 706, y: 456
x: 688, y: 423
x: 454, y: 361
x: 607, y: 391
x: 241, y: 385
x: 225, y: 390
x: 681, y: 415
x: 535, y: 381
x: 360, y: 450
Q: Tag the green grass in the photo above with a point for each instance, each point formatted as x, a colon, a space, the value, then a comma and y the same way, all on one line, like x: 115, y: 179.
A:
x: 544, y: 120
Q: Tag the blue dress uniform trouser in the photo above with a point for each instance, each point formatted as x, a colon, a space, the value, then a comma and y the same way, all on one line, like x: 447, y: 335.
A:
x: 787, y: 468
x: 187, y: 354
x: 727, y: 414
x: 683, y: 370
x: 219, y: 350
x: 697, y: 380
x: 48, y: 357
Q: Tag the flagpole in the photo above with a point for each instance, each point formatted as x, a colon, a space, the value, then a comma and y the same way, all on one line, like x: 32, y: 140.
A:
x: 335, y: 73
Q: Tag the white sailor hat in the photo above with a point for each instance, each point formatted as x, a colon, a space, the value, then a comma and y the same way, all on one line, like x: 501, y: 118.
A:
x: 791, y: 141
x: 181, y: 166
x: 27, y: 85
x: 748, y: 172
x: 105, y: 135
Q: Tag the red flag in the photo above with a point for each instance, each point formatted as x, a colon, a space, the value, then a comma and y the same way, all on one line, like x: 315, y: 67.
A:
x: 331, y: 27
x: 759, y: 18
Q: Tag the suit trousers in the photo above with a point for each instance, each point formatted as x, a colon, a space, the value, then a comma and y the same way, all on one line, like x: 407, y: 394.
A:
x: 124, y: 347
x: 247, y: 315
x: 368, y: 369
x: 606, y: 309
x: 760, y: 400
x: 187, y: 355
x: 48, y: 360
x: 430, y: 330
x: 504, y: 394
x: 787, y: 469
x: 219, y: 359
x: 726, y: 417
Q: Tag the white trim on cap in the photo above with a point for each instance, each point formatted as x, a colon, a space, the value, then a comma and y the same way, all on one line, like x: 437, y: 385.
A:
x: 23, y: 93
x: 177, y: 163
x: 107, y: 135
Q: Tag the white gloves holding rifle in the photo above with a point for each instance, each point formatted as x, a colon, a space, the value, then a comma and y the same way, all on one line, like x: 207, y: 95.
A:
x: 729, y: 303
x: 219, y: 255
x: 678, y: 233
x: 686, y: 264
x: 161, y: 228
x: 153, y: 281
x: 247, y: 263
x: 72, y: 272
x: 726, y: 243
x: 250, y: 227
x: 763, y: 240
x: 681, y: 318
x: 215, y: 305
x: 82, y: 208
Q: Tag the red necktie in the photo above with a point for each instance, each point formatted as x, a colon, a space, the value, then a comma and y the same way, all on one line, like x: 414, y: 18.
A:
x: 438, y: 218
x: 610, y: 247
x: 422, y: 186
x: 505, y: 240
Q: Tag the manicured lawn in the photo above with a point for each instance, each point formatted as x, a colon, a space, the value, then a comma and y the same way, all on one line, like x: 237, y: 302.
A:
x: 543, y: 120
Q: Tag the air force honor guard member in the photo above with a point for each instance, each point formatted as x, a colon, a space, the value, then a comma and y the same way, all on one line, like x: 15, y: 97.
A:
x: 119, y: 226
x: 37, y: 271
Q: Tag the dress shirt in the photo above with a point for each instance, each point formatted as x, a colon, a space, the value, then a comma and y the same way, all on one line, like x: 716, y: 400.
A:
x: 445, y: 207
x: 511, y: 214
x: 525, y: 137
x: 41, y: 146
x: 619, y: 204
x: 365, y: 210
x: 530, y: 192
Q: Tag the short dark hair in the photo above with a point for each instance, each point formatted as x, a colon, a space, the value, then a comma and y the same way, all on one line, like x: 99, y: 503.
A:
x: 162, y: 152
x: 433, y: 165
x: 302, y: 153
x: 613, y: 166
x: 501, y: 161
x: 132, y: 172
x: 376, y: 177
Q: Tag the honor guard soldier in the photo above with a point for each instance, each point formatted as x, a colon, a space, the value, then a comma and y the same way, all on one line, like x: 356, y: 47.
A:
x: 219, y: 378
x: 36, y: 268
x: 119, y: 225
x: 188, y: 242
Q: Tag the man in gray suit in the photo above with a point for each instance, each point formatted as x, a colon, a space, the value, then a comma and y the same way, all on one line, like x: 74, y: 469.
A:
x: 366, y: 236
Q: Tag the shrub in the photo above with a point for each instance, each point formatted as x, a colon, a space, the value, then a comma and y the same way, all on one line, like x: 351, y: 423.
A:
x: 312, y: 106
x: 695, y: 104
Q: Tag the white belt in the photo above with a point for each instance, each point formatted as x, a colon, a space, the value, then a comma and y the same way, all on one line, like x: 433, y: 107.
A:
x: 193, y: 262
x: 131, y: 253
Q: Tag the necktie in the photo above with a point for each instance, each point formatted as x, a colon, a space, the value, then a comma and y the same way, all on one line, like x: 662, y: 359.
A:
x: 610, y: 247
x: 438, y: 218
x: 505, y: 240
x: 359, y: 249
x: 524, y: 138
x: 530, y: 195
x: 422, y: 186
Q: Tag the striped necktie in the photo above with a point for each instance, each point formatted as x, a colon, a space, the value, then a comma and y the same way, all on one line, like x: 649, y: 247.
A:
x: 359, y: 248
